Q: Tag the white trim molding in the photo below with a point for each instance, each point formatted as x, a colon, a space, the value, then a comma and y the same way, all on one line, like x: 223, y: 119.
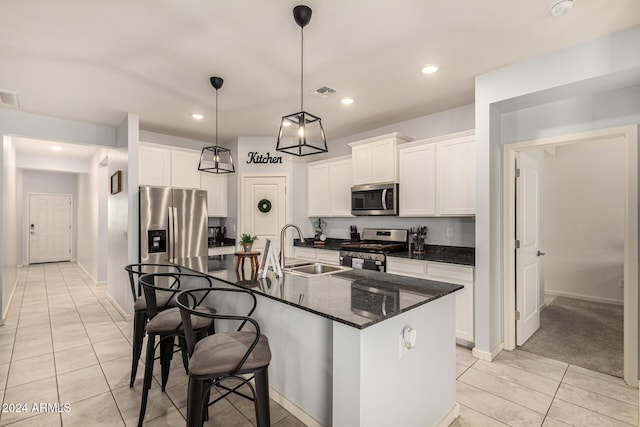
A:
x: 120, y: 310
x: 486, y: 355
x: 451, y: 416
x: 583, y: 297
x: 294, y: 409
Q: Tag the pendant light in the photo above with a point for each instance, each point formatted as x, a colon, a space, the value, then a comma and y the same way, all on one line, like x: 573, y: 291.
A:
x: 301, y: 134
x: 216, y: 159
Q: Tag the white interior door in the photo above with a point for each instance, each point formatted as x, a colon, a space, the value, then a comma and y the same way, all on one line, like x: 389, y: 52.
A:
x: 528, y: 255
x: 265, y: 225
x: 49, y: 228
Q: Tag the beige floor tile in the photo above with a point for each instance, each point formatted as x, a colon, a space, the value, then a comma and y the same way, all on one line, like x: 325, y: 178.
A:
x: 43, y: 391
x: 112, y: 349
x: 550, y: 422
x: 598, y: 375
x: 518, y: 376
x: 4, y: 372
x: 33, y: 347
x: 31, y: 332
x: 225, y: 414
x: 463, y: 355
x: 96, y: 411
x: 6, y: 351
x: 289, y: 421
x: 247, y: 408
x: 128, y: 401
x: 74, y: 358
x: 177, y: 392
x: 69, y: 336
x: 47, y: 419
x: 82, y: 384
x: 104, y: 332
x: 577, y: 416
x: 552, y: 362
x: 118, y: 372
x: 7, y: 336
x: 496, y: 407
x: 32, y: 369
x: 460, y: 369
x: 602, y: 387
x: 173, y: 418
x: 598, y: 403
x: 470, y: 418
x: 515, y: 360
x: 526, y: 397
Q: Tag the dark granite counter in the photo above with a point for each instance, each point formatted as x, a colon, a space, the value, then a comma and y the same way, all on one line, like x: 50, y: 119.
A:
x: 436, y: 253
x: 357, y: 298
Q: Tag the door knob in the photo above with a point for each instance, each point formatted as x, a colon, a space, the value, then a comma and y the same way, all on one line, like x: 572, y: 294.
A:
x: 540, y: 253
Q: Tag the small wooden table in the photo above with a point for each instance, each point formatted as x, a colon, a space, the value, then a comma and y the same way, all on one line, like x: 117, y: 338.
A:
x: 253, y: 257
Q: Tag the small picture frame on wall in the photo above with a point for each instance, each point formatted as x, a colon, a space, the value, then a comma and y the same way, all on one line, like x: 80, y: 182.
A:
x: 116, y: 182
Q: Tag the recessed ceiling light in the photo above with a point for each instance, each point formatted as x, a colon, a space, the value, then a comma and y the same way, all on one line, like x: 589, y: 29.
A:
x: 429, y: 69
x: 347, y: 101
x: 197, y: 116
x: 558, y: 7
x: 56, y: 148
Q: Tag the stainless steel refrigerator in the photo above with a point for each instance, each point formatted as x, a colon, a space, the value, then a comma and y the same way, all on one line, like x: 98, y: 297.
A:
x: 173, y: 224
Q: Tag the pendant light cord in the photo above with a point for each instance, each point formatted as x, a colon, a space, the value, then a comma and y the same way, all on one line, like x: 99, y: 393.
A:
x: 216, y: 119
x: 301, y: 68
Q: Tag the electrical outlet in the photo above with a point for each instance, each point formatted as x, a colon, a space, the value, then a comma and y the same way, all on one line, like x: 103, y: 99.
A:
x: 449, y: 231
x: 234, y: 228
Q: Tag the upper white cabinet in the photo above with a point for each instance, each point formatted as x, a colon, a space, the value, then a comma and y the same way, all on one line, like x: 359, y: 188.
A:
x: 437, y: 176
x: 216, y: 187
x: 184, y: 169
x: 165, y: 167
x: 375, y: 160
x: 154, y: 166
x: 329, y: 187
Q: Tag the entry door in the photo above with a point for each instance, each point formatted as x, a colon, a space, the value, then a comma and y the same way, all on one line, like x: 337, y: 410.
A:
x: 266, y: 220
x: 49, y: 228
x: 528, y: 255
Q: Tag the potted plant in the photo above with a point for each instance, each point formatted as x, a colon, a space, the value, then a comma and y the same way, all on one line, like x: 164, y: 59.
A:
x: 246, y: 241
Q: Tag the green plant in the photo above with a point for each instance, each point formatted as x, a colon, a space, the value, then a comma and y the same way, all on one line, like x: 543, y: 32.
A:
x: 248, y: 238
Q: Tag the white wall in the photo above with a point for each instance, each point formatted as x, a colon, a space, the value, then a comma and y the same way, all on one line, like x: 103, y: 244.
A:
x: 598, y: 66
x: 34, y: 181
x: 583, y: 217
x: 8, y: 220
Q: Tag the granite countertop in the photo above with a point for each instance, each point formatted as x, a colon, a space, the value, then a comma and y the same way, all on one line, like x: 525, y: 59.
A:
x: 357, y: 298
x: 437, y: 253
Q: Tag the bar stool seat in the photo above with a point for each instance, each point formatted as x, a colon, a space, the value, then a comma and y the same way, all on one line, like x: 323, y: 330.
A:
x: 169, y: 320
x: 220, y: 353
x: 163, y: 300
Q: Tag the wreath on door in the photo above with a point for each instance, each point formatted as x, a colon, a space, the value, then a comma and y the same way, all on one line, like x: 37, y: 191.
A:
x: 264, y: 206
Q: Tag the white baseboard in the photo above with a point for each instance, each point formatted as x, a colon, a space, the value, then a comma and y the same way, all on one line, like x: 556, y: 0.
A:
x: 294, y: 409
x: 120, y: 309
x: 86, y: 272
x: 451, y: 416
x: 485, y: 355
x: 583, y: 297
x: 3, y: 320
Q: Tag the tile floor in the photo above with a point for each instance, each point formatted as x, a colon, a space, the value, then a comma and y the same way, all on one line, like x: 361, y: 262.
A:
x: 64, y: 342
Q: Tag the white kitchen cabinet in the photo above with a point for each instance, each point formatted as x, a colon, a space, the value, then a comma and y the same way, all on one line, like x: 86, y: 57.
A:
x: 184, y: 169
x: 318, y: 189
x: 329, y: 188
x: 154, y: 166
x: 304, y: 253
x: 222, y: 250
x: 456, y: 165
x: 444, y: 272
x: 216, y: 188
x: 417, y: 179
x: 375, y: 160
x: 460, y: 275
x: 437, y: 176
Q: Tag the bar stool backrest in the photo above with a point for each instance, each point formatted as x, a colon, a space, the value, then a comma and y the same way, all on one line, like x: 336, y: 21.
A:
x: 137, y: 270
x: 171, y: 283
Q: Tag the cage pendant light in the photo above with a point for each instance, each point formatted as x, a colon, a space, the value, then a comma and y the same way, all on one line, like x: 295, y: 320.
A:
x: 301, y: 134
x: 216, y: 159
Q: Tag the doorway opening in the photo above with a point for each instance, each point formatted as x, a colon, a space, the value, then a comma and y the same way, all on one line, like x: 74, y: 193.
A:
x: 49, y: 227
x: 583, y: 271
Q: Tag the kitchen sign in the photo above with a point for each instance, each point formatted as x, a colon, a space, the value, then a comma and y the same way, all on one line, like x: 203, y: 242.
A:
x: 257, y: 158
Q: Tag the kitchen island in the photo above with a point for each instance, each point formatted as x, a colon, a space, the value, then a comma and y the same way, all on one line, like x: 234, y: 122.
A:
x: 338, y: 353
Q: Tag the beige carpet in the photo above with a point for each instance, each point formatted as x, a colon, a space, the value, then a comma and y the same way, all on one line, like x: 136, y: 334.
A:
x: 583, y: 333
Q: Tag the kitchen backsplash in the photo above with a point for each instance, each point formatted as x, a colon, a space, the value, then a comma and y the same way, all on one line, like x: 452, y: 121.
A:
x: 442, y: 231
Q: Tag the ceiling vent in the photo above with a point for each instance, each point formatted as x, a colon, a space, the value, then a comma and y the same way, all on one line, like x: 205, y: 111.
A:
x: 324, y: 91
x: 9, y: 98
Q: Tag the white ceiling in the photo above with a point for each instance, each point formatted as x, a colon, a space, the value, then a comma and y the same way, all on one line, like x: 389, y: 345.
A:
x: 93, y: 61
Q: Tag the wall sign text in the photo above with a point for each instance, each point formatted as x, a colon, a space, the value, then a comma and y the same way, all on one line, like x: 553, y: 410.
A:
x: 255, y: 157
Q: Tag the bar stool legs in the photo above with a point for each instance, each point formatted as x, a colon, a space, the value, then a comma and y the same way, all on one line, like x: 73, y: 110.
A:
x: 139, y: 320
x: 263, y: 415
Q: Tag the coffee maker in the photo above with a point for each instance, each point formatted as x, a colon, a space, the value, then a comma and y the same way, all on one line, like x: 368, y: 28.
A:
x: 215, y: 236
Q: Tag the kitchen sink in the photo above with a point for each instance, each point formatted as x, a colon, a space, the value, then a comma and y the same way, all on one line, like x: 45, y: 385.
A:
x: 315, y: 269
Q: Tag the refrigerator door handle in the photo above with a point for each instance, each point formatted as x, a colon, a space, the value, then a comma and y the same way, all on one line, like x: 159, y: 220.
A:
x: 171, y: 234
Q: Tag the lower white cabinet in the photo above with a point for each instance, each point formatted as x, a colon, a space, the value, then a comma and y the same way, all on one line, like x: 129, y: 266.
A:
x: 325, y: 256
x: 444, y: 272
x: 222, y: 250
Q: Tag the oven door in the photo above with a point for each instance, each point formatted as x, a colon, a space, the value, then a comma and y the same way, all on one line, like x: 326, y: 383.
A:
x: 348, y: 259
x: 376, y: 199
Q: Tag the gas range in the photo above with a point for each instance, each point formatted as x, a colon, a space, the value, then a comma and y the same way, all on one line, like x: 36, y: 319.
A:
x: 369, y: 254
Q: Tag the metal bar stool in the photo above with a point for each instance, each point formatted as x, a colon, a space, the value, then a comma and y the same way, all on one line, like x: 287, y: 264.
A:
x: 166, y: 325
x: 140, y: 306
x: 223, y: 356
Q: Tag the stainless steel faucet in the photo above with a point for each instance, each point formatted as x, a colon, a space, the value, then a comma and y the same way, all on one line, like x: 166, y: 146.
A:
x: 282, y: 233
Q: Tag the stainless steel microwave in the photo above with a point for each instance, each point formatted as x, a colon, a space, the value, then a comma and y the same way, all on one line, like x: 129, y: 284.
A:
x: 374, y: 199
